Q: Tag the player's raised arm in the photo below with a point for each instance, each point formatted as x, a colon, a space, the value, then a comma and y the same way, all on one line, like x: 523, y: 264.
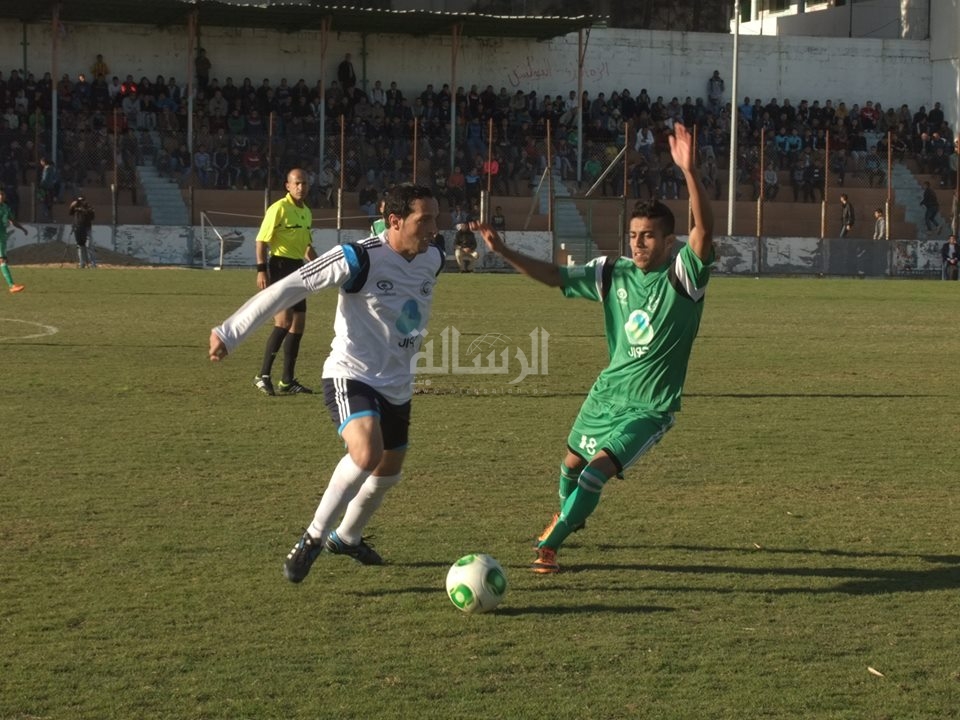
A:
x: 683, y: 152
x: 545, y: 272
x: 335, y: 267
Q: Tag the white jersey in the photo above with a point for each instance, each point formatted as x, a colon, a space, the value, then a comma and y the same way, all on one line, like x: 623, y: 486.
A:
x: 382, y: 310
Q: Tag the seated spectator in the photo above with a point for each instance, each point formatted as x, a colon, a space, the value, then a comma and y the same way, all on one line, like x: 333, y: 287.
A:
x: 460, y: 217
x: 181, y: 163
x: 456, y: 187
x: 322, y: 187
x: 771, y: 183
x: 220, y: 163
x: 873, y: 167
x: 254, y: 170
x: 368, y: 200
x: 669, y: 182
x: 203, y: 166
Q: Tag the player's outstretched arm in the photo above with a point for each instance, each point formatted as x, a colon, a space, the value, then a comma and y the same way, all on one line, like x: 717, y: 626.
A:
x: 545, y: 272
x: 683, y: 152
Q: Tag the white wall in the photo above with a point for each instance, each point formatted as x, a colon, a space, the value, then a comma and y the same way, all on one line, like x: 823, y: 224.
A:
x: 666, y: 63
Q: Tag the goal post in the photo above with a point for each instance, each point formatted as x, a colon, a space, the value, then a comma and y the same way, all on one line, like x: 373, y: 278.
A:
x: 211, y: 237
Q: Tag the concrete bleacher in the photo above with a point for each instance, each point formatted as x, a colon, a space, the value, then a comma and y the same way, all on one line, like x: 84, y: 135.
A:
x: 97, y: 197
x: 781, y: 216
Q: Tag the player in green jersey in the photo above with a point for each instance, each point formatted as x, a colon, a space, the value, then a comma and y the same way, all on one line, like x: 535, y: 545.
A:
x: 7, y: 219
x: 652, y: 304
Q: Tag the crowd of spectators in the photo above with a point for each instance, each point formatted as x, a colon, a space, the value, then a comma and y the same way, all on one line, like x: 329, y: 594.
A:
x: 246, y: 135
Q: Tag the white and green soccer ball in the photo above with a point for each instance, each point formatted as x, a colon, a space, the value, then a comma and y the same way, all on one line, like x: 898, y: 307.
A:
x: 476, y: 583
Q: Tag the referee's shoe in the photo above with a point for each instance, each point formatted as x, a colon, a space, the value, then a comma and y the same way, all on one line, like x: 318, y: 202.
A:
x: 293, y: 388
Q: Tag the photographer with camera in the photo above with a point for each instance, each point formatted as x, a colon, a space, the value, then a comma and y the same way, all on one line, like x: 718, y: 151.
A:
x: 83, y: 216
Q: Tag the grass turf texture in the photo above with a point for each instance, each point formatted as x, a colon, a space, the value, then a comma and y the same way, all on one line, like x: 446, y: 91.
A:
x: 797, y: 527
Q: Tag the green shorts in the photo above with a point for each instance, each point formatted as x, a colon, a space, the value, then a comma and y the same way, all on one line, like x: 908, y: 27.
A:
x: 624, y: 433
x: 3, y: 246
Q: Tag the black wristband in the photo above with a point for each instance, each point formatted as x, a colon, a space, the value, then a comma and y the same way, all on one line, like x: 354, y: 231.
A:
x: 261, y: 267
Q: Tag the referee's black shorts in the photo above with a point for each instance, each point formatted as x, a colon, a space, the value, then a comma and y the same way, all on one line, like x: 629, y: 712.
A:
x: 279, y: 268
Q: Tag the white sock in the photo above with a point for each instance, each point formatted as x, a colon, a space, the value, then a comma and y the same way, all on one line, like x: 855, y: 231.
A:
x: 363, y: 506
x: 346, y: 480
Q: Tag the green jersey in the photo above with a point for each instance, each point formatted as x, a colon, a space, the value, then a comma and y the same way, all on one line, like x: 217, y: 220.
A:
x: 6, y: 215
x: 651, y: 319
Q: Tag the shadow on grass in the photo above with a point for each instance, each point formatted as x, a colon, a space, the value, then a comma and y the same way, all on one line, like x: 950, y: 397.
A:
x: 856, y: 580
x: 838, y: 396
x: 511, y: 610
x: 538, y: 394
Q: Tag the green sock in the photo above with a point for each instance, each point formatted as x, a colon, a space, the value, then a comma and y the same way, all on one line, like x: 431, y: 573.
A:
x: 568, y: 483
x: 6, y: 274
x: 582, y: 501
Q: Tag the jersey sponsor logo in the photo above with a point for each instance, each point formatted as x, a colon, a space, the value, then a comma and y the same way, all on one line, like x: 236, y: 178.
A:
x: 410, y: 318
x: 653, y: 303
x: 639, y: 331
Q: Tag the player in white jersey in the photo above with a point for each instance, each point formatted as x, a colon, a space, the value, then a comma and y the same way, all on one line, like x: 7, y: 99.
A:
x: 386, y: 292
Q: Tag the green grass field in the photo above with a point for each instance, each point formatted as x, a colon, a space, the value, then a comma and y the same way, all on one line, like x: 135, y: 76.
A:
x: 798, y: 526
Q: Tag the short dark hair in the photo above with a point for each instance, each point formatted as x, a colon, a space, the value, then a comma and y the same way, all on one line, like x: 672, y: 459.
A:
x: 400, y: 198
x: 656, y: 211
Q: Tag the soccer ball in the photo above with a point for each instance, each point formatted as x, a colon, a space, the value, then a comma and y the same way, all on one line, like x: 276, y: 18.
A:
x: 476, y: 583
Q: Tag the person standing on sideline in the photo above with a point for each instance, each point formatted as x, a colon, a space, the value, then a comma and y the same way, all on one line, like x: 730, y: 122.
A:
x: 83, y: 216
x: 7, y: 218
x: 652, y: 305
x: 847, y: 215
x: 386, y: 292
x: 879, y: 225
x: 951, y: 257
x: 285, y: 236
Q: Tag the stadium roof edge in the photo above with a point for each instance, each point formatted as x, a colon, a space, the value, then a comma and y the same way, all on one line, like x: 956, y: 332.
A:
x: 294, y: 15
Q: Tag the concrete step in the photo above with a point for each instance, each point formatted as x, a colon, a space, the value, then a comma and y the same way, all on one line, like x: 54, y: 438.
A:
x: 163, y: 196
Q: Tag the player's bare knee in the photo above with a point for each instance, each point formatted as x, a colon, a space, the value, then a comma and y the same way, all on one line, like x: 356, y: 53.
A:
x: 366, y: 455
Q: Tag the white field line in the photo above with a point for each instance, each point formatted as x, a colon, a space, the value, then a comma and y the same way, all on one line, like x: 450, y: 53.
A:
x: 45, y: 329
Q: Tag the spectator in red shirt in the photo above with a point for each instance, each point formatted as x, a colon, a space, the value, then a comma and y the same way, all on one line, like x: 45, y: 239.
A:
x: 253, y: 170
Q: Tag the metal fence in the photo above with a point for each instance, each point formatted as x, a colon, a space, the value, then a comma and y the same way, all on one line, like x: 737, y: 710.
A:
x: 366, y: 152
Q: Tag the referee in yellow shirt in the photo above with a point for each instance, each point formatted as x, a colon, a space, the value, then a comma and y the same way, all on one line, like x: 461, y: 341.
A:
x: 282, y: 245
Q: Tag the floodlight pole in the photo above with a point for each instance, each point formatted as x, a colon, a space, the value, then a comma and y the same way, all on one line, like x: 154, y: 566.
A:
x: 734, y: 97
